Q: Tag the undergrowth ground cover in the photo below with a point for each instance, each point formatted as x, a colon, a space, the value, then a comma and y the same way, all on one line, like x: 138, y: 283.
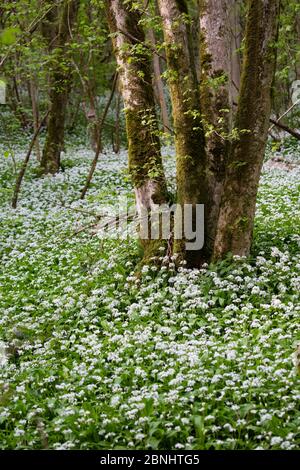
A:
x: 92, y: 357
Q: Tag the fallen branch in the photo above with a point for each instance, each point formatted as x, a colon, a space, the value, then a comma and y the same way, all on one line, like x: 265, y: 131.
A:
x: 25, y: 163
x: 285, y: 113
x: 285, y: 128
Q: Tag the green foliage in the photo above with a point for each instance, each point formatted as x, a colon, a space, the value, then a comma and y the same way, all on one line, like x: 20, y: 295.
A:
x: 9, y: 36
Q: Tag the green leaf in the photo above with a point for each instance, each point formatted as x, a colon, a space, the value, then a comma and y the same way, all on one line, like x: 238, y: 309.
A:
x: 8, y: 36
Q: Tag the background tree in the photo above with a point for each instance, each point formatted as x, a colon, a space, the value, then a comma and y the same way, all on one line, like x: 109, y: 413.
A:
x: 57, y: 28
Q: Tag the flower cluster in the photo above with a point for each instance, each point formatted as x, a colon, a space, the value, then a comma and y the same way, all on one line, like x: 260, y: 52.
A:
x: 94, y: 357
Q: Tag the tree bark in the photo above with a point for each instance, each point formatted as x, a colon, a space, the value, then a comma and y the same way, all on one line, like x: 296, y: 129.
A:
x: 89, y: 104
x: 236, y: 42
x: 189, y: 133
x: 18, y: 106
x: 159, y: 87
x: 216, y: 99
x: 116, y: 140
x: 35, y: 113
x: 25, y: 163
x: 60, y: 83
x: 145, y: 162
x: 99, y: 127
x: 236, y: 219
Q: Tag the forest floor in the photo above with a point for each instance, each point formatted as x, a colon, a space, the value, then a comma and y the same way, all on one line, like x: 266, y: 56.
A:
x: 93, y: 358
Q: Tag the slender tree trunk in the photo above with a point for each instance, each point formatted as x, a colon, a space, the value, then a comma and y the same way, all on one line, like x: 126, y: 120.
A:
x: 159, y: 87
x: 116, y: 129
x: 74, y: 108
x: 18, y: 106
x: 21, y: 174
x: 89, y: 104
x: 297, y: 29
x: 99, y: 127
x: 189, y: 133
x: 60, y: 83
x: 216, y: 99
x: 145, y: 163
x: 35, y: 113
x: 235, y: 225
x: 236, y: 42
x: 90, y: 110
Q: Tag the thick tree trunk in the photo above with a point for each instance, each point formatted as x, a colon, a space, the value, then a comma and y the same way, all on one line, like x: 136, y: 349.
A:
x: 60, y: 83
x: 189, y: 133
x: 145, y: 163
x: 236, y: 219
x: 216, y: 99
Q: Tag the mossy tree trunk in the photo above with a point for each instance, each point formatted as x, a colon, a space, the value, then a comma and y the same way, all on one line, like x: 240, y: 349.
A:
x: 134, y: 62
x: 243, y: 168
x: 58, y: 31
x: 185, y: 97
x: 216, y: 99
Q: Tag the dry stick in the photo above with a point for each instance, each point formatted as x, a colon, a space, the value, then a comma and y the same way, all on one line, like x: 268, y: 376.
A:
x: 25, y: 163
x: 286, y: 128
x: 98, y: 149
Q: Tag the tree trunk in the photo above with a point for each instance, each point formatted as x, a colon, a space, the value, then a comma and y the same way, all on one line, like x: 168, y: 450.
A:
x: 89, y: 104
x: 18, y: 106
x: 236, y: 219
x: 159, y: 87
x: 116, y: 129
x: 216, y: 100
x: 189, y: 133
x: 145, y: 163
x: 60, y: 83
x: 90, y: 112
x: 35, y: 113
x: 236, y: 42
x: 99, y: 127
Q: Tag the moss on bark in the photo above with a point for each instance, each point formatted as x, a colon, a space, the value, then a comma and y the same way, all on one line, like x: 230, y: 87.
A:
x: 237, y: 212
x: 145, y: 162
x: 189, y: 133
